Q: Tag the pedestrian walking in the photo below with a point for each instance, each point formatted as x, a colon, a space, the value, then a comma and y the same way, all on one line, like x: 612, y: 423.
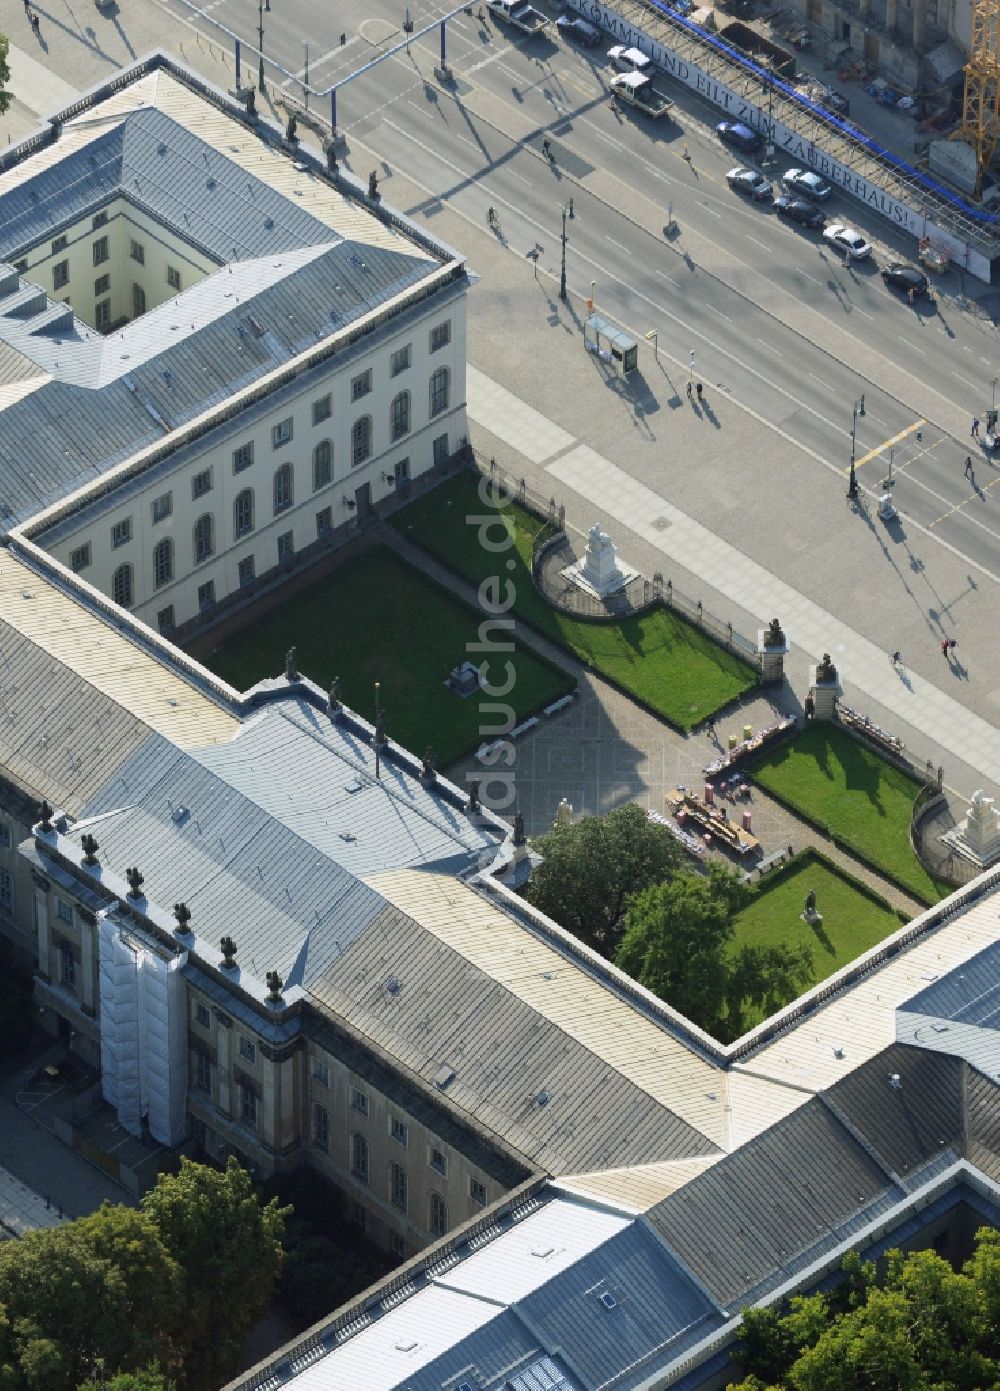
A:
x: 810, y: 708
x: 952, y: 644
x: 975, y: 427
x: 968, y: 465
x: 711, y: 729
x: 911, y: 295
x: 689, y: 391
x: 686, y: 154
x: 697, y: 392
x: 945, y: 648
x: 895, y: 658
x: 36, y: 23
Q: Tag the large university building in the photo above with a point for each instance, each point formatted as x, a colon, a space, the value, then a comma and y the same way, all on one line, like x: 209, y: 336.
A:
x: 262, y: 929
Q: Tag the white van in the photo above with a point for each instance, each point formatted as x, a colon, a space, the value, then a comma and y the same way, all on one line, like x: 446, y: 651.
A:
x: 629, y: 59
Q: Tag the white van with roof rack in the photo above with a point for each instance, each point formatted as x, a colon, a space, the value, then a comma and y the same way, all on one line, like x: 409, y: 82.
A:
x: 629, y: 59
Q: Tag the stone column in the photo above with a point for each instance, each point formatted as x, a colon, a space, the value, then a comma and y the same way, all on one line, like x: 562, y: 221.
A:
x: 772, y: 647
x: 41, y: 891
x: 919, y: 24
x: 267, y: 1130
x: 825, y: 688
x: 222, y: 1060
x: 88, y: 995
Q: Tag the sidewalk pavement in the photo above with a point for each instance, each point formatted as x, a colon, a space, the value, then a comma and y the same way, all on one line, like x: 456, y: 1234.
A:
x: 22, y: 1210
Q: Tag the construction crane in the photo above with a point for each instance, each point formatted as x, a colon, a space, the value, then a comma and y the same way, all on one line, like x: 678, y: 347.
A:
x: 980, y: 126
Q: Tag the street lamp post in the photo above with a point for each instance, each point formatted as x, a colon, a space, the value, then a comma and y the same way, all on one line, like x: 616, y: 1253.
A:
x: 567, y: 211
x: 852, y: 486
x: 260, y: 45
x: 993, y: 403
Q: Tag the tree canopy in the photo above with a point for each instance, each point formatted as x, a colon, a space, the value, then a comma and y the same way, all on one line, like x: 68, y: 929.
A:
x: 676, y: 943
x: 228, y: 1247
x: 5, y: 95
x: 148, y: 1379
x: 923, y: 1327
x: 591, y: 868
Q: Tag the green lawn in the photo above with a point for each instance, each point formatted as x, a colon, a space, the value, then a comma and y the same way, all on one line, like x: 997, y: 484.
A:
x: 852, y: 921
x: 378, y: 619
x: 666, y: 662
x: 861, y: 799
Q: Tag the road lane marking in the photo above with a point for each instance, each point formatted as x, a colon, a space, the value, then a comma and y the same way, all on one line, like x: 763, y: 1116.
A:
x: 886, y: 444
x: 772, y: 350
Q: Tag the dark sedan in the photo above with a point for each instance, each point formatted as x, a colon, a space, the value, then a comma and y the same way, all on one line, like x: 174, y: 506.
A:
x: 740, y: 136
x: 579, y: 30
x: 905, y: 278
x: 798, y: 210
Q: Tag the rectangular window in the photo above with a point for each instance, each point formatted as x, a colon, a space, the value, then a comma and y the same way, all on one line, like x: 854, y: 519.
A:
x: 286, y: 547
x: 400, y: 360
x: 60, y: 275
x: 173, y: 277
x: 67, y: 968
x: 359, y: 1218
x: 477, y: 1192
x: 248, y: 1107
x: 398, y: 1246
x: 64, y: 910
x: 206, y: 595
x: 361, y: 385
x: 439, y: 1161
x: 102, y: 285
x: 321, y: 1072
x: 58, y: 245
x: 322, y: 409
x: 165, y: 619
x: 324, y: 521
x: 201, y: 483
x: 321, y: 1127
x: 163, y: 506
x: 80, y: 558
x: 102, y: 314
x: 100, y: 219
x: 399, y: 1132
x: 101, y: 252
x: 440, y: 336
x: 246, y: 571
x: 359, y: 1158
x: 243, y: 457
x: 4, y: 836
x: 137, y: 251
x: 281, y: 433
x: 322, y: 465
x: 398, y: 1187
x: 440, y: 448
x: 121, y: 533
x: 202, y: 1015
x: 6, y: 889
x: 202, y: 1072
x: 359, y: 1101
x: 248, y: 1049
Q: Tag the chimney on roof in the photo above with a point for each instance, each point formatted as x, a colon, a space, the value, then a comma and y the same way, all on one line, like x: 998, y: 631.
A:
x: 895, y: 1081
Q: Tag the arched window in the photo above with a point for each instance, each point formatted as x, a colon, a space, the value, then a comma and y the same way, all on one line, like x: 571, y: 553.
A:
x: 322, y: 465
x: 439, y: 1215
x: 400, y: 415
x: 204, y: 538
x: 243, y: 513
x: 361, y: 440
x: 283, y: 489
x: 440, y: 390
x: 359, y: 1157
x: 121, y: 586
x: 163, y: 562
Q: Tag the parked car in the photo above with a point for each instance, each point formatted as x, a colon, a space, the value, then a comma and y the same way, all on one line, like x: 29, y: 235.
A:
x: 741, y: 136
x: 798, y: 210
x: 807, y: 184
x: 846, y: 240
x: 579, y: 30
x: 629, y: 59
x: 749, y: 182
x: 899, y: 276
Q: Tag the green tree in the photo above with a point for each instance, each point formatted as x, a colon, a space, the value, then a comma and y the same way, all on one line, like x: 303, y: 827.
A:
x: 228, y: 1247
x: 591, y: 869
x: 95, y: 1290
x: 5, y: 96
x: 147, y: 1379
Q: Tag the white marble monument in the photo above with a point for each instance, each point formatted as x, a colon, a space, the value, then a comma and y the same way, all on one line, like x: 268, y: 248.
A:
x: 599, y: 572
x: 977, y: 835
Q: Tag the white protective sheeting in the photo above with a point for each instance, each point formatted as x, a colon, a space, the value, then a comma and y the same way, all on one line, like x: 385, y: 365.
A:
x: 120, y: 965
x: 164, y: 1014
x: 143, y: 1036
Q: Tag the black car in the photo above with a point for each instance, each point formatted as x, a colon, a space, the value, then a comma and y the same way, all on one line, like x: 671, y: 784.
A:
x: 739, y: 135
x: 798, y: 210
x: 580, y: 30
x: 905, y: 278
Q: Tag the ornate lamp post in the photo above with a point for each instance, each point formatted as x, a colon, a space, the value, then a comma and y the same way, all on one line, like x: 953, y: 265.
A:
x: 567, y: 211
x: 852, y: 486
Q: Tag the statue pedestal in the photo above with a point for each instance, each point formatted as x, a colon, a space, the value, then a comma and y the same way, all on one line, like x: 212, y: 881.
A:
x: 824, y: 691
x: 977, y: 835
x: 599, y: 573
x: 811, y: 917
x: 772, y: 659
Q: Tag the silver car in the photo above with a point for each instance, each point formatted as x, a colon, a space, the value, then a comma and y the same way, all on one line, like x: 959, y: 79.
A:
x: 805, y: 184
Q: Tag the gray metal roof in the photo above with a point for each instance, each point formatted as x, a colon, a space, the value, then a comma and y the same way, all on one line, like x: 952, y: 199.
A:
x: 970, y: 995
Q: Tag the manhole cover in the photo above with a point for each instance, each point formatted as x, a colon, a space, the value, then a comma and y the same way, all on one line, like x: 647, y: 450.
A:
x: 660, y: 524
